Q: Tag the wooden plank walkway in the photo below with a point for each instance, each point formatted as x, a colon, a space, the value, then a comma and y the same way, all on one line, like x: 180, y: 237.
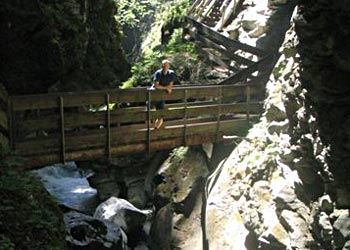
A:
x: 60, y: 127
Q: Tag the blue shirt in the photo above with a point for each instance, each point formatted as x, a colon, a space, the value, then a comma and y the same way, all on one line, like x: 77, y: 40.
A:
x: 164, y: 79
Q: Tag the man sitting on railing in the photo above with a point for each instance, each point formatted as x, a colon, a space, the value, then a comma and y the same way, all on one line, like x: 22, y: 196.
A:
x: 163, y: 79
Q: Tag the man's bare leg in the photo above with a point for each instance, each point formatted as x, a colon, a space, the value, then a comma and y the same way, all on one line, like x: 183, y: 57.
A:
x: 158, y: 123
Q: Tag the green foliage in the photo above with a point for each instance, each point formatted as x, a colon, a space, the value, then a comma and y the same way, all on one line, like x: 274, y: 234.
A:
x: 29, y: 217
x: 176, y: 12
x: 130, y: 12
x: 181, y: 53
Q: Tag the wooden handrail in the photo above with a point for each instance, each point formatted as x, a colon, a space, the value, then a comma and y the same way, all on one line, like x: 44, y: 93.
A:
x: 47, y: 101
x: 215, y: 36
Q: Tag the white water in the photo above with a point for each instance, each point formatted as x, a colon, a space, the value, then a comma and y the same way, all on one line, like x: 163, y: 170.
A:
x: 69, y: 186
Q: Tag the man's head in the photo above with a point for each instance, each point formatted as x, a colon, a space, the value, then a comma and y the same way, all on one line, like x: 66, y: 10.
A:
x: 165, y: 65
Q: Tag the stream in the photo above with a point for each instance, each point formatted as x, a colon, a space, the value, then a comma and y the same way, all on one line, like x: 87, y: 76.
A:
x: 69, y: 186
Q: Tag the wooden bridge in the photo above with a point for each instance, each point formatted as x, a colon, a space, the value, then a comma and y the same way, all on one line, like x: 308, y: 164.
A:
x: 53, y: 128
x: 60, y: 127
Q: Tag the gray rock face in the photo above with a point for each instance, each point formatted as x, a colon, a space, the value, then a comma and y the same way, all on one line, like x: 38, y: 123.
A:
x: 121, y: 213
x: 85, y: 232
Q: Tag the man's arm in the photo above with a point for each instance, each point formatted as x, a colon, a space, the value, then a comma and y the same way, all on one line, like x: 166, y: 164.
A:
x: 168, y: 87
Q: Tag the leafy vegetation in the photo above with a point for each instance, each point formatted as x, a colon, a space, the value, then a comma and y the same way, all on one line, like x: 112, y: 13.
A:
x: 29, y: 217
x: 131, y: 12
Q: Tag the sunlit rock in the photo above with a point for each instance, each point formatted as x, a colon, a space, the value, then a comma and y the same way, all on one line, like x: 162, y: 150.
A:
x: 298, y: 229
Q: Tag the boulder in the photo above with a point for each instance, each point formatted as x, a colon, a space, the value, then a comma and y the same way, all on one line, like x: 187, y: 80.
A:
x: 86, y: 232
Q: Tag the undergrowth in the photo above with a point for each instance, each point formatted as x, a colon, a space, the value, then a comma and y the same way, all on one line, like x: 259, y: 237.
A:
x: 29, y: 217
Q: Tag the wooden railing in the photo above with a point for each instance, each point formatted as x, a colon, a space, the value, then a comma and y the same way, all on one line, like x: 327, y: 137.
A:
x: 51, y: 128
x: 250, y: 68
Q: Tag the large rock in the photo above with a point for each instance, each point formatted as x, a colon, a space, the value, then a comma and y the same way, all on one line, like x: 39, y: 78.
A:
x: 86, y: 232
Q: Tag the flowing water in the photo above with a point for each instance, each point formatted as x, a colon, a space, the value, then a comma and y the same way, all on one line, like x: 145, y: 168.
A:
x: 69, y: 186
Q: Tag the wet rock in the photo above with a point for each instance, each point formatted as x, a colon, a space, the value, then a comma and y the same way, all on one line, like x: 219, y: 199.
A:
x: 121, y: 213
x: 326, y: 204
x: 86, y: 232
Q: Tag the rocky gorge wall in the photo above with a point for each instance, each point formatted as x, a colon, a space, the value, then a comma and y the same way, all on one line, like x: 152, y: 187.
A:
x: 65, y: 46
x: 324, y: 35
x: 278, y: 188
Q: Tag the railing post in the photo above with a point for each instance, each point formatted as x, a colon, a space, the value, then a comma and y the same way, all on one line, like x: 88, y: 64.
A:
x: 108, y: 121
x: 219, y: 113
x: 148, y: 121
x: 248, y: 103
x: 185, y: 117
x: 63, y: 140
